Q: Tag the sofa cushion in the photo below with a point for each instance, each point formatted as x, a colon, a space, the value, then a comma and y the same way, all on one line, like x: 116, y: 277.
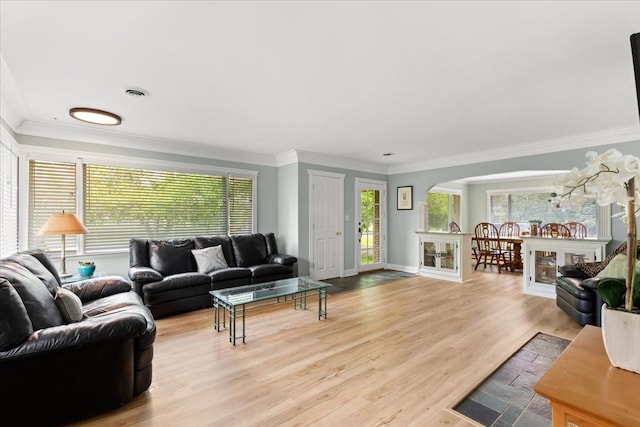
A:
x: 176, y: 281
x: 201, y: 242
x: 618, y: 267
x: 138, y: 253
x: 15, y: 325
x: 34, y: 265
x: 592, y: 269
x: 263, y: 270
x: 230, y: 273
x: 69, y: 305
x: 249, y: 249
x: 171, y: 256
x: 209, y: 259
x: 35, y: 296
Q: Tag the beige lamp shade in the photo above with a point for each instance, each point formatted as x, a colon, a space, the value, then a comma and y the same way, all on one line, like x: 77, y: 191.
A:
x: 64, y: 223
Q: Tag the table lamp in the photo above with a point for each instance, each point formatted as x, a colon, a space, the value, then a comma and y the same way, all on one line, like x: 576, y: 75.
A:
x: 63, y: 224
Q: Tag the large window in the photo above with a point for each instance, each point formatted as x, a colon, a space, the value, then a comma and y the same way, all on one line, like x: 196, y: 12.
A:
x: 533, y: 205
x: 117, y: 203
x: 443, y: 207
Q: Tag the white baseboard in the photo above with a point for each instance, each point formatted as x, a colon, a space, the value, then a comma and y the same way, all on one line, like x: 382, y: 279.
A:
x: 404, y: 268
x: 350, y: 272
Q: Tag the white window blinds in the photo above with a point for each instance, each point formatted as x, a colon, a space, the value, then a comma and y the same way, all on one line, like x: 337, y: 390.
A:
x: 52, y: 190
x: 8, y: 201
x: 121, y: 202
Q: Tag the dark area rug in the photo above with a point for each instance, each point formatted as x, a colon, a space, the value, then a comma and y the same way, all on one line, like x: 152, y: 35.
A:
x: 365, y: 280
x: 506, y: 397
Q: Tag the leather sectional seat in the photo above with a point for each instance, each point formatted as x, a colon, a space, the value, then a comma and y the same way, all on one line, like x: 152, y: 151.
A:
x: 171, y: 280
x: 71, y: 351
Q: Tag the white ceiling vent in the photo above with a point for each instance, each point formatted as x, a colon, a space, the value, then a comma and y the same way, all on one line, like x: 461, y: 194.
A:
x: 137, y: 92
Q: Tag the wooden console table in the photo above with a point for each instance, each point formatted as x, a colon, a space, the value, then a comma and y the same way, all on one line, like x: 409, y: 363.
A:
x: 585, y: 390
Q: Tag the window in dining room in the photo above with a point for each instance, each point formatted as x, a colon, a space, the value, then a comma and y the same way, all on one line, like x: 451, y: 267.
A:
x: 443, y: 207
x: 533, y: 205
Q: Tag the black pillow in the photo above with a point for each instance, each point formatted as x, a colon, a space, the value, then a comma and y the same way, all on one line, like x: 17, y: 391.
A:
x: 171, y: 256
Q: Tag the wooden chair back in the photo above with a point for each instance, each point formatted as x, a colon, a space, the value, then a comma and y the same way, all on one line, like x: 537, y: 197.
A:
x: 554, y: 229
x: 577, y: 229
x: 509, y: 229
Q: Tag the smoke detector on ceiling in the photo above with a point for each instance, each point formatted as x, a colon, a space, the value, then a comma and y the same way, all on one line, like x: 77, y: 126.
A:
x: 137, y: 92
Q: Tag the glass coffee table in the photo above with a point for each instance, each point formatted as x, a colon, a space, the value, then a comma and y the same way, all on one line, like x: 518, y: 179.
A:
x: 235, y: 300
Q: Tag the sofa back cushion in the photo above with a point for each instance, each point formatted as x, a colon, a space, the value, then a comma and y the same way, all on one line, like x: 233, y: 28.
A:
x: 15, y: 325
x: 35, y: 266
x: 171, y: 256
x: 35, y: 296
x: 249, y: 249
x: 139, y: 253
x: 272, y: 245
x: 202, y: 242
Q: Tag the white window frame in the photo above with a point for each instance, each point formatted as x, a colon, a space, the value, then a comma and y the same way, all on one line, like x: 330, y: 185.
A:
x: 450, y: 192
x: 29, y: 153
x: 603, y: 213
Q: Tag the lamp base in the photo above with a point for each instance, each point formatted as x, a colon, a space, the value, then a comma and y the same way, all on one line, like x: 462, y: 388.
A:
x: 64, y: 275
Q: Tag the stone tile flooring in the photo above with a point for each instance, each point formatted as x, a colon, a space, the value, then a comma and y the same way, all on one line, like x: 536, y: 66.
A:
x: 506, y: 397
x: 365, y: 280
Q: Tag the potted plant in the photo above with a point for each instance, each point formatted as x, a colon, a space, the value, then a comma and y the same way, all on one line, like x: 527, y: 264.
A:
x: 610, y: 178
x: 86, y: 268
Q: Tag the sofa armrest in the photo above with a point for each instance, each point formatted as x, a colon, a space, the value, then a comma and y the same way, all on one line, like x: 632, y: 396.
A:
x: 112, y: 327
x: 144, y: 275
x: 570, y: 270
x: 283, y: 259
x: 100, y: 287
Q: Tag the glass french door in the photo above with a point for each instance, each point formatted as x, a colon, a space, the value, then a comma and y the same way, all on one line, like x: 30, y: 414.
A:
x: 371, y: 233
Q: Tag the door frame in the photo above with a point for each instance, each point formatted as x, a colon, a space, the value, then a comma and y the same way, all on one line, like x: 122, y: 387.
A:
x: 362, y: 183
x: 312, y: 173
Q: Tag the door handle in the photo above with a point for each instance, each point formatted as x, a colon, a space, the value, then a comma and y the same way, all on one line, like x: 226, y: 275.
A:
x: 338, y: 233
x: 359, y: 232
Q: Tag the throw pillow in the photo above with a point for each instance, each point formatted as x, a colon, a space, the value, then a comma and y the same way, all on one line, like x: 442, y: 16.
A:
x: 209, y: 259
x: 618, y: 267
x: 69, y: 305
x: 592, y: 269
x: 15, y: 322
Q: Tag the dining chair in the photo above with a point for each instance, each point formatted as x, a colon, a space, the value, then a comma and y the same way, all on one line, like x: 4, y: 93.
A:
x: 554, y: 229
x: 576, y: 229
x: 454, y: 227
x: 489, y: 247
x: 509, y: 229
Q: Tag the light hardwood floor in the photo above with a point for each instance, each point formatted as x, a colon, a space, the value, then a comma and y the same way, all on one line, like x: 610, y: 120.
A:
x: 399, y: 354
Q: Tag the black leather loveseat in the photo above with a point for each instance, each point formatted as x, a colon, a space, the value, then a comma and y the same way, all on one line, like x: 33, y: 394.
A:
x: 69, y: 351
x: 171, y: 280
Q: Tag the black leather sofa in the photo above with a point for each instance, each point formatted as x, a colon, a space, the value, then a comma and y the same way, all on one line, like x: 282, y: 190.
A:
x: 165, y: 273
x: 576, y: 289
x: 54, y: 370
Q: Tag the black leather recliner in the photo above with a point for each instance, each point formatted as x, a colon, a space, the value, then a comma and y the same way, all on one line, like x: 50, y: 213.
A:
x: 54, y: 370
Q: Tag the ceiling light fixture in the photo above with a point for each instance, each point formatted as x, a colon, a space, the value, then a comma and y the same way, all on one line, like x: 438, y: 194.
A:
x: 96, y: 117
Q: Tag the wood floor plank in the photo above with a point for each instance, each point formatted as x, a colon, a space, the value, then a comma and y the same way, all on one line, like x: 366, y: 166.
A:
x: 397, y: 354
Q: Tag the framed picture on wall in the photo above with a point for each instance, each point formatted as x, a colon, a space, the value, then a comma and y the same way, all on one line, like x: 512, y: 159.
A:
x: 405, y: 198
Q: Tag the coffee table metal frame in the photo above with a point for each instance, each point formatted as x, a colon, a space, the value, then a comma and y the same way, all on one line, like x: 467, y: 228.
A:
x: 235, y: 300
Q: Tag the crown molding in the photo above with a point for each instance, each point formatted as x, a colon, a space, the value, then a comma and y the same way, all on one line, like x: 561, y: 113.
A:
x: 132, y: 141
x: 606, y: 137
x: 339, y: 162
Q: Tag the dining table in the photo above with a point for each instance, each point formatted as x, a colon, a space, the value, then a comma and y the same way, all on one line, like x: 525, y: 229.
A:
x: 516, y: 262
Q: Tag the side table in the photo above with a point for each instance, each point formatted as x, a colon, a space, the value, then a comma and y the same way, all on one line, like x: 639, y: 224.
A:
x: 585, y: 390
x: 76, y: 277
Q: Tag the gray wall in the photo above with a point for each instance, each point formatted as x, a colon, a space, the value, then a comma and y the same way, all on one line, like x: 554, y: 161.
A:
x: 402, y: 224
x: 283, y: 198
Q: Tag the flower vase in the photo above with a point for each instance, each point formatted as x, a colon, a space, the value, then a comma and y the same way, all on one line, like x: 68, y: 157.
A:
x: 621, y: 336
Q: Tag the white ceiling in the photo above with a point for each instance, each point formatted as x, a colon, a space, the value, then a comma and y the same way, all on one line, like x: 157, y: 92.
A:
x: 435, y: 83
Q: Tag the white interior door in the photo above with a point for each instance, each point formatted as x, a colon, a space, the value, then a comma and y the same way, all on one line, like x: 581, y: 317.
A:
x: 326, y: 206
x: 371, y: 214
